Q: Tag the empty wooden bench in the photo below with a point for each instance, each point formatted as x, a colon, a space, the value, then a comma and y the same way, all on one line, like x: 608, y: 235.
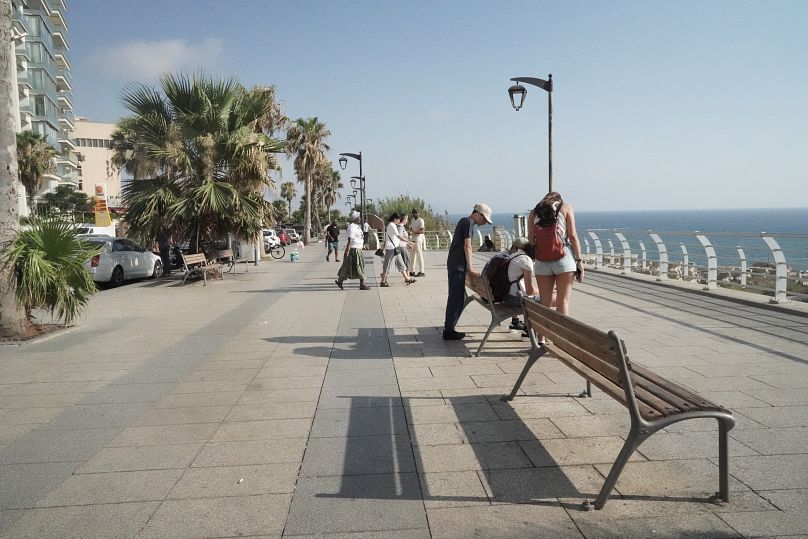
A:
x: 652, y: 401
x: 197, y: 264
x: 481, y: 293
x: 226, y: 256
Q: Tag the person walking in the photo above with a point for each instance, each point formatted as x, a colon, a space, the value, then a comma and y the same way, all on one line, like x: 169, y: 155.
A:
x: 404, y: 260
x: 418, y: 238
x: 558, y: 251
x: 458, y: 262
x: 392, y: 246
x: 353, y: 260
x: 332, y: 238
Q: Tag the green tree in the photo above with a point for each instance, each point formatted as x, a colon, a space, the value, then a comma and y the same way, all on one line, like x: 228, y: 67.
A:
x: 288, y: 193
x: 65, y: 201
x: 35, y: 158
x: 206, y: 147
x: 307, y: 142
x: 48, y: 259
x: 405, y: 204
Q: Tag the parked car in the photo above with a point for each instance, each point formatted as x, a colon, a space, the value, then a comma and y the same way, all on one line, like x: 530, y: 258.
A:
x: 120, y: 259
x: 294, y: 236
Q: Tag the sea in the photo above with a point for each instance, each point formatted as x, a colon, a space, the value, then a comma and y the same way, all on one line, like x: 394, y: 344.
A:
x: 727, y: 229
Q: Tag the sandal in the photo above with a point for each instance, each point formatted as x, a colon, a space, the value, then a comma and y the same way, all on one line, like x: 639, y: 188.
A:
x: 384, y: 285
x: 410, y: 281
x: 339, y: 284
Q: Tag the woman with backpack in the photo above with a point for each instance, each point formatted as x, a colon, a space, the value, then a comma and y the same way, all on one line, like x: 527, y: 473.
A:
x: 558, y: 251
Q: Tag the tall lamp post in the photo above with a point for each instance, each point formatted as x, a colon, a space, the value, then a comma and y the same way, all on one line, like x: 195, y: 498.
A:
x: 517, y: 93
x: 343, y: 162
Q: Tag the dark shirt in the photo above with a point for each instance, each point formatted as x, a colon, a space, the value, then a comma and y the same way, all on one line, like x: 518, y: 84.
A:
x: 333, y: 233
x: 456, y: 261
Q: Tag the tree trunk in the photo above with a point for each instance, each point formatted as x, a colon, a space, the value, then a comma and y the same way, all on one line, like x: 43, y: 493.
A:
x: 13, y: 319
x: 307, y: 218
x: 289, y: 200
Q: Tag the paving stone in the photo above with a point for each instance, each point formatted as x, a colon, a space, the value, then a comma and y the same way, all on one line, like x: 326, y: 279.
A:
x: 362, y: 421
x: 180, y: 416
x: 593, y: 425
x: 74, y: 445
x: 782, y: 416
x: 210, y: 386
x: 236, y: 481
x: 512, y: 521
x: 436, y: 434
x: 164, y: 434
x: 147, y: 457
x: 96, y: 416
x: 528, y: 410
x: 272, y: 429
x: 358, y: 455
x: 504, y: 431
x: 292, y: 382
x: 84, y: 522
x: 221, y: 374
x: 529, y: 485
x: 417, y: 533
x: 358, y: 397
x: 194, y: 400
x: 453, y: 489
x: 112, y: 487
x: 220, y: 517
x: 21, y: 416
x: 781, y: 397
x: 353, y: 378
x: 289, y: 450
x: 688, y: 445
x: 457, y: 458
x: 767, y: 472
x: 568, y: 451
x: 451, y: 413
x: 356, y: 503
x: 272, y: 410
x: 257, y: 395
x: 10, y: 432
x: 701, y: 526
x: 23, y: 484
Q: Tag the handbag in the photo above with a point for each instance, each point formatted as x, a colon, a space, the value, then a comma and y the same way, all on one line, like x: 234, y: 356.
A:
x: 380, y: 252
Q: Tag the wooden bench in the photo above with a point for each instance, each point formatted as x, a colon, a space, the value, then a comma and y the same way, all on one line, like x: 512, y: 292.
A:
x: 227, y: 256
x: 481, y: 293
x: 197, y: 264
x: 652, y: 401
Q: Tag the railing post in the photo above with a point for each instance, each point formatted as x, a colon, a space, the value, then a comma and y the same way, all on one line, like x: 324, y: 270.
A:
x: 742, y: 256
x: 611, y: 253
x: 685, y: 261
x: 712, y: 262
x: 586, y: 250
x: 663, y: 256
x: 598, y: 249
x: 643, y: 260
x: 781, y: 269
x: 626, y: 252
x: 479, y: 238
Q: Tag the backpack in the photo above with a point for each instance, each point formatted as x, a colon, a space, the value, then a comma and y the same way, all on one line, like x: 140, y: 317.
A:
x: 547, y: 234
x: 496, y: 271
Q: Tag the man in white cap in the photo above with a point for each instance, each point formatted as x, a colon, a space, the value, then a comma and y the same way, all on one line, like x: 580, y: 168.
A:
x: 353, y: 261
x: 458, y: 263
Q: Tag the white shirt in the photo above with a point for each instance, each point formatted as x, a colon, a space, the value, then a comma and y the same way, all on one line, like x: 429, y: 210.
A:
x: 516, y: 267
x: 402, y: 231
x: 355, y: 236
x: 391, y: 241
x: 417, y: 224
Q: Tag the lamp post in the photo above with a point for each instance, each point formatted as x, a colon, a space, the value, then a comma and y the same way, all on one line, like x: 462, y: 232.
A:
x: 517, y: 93
x: 343, y: 162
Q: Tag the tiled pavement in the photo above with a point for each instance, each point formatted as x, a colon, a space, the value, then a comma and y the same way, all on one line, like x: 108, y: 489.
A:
x: 272, y: 404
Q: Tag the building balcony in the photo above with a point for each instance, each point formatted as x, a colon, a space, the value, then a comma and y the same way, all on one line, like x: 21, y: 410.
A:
x: 67, y: 120
x: 60, y: 41
x: 61, y: 61
x: 56, y: 18
x: 67, y: 144
x: 67, y: 161
x: 64, y: 99
x: 63, y: 82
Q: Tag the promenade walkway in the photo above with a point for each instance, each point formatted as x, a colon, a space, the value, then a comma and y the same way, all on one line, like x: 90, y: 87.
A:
x: 272, y: 404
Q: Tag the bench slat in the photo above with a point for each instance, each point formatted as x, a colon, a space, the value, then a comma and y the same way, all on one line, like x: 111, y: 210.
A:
x: 606, y: 385
x: 676, y: 389
x: 578, y: 331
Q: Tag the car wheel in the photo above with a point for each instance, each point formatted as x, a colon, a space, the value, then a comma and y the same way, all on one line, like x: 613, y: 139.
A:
x: 158, y: 269
x: 117, y: 277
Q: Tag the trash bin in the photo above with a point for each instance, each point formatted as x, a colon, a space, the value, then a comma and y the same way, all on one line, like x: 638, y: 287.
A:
x: 293, y: 256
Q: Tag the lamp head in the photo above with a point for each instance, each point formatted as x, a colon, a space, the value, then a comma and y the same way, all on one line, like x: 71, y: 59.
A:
x: 353, y: 183
x: 517, y: 93
x: 343, y: 162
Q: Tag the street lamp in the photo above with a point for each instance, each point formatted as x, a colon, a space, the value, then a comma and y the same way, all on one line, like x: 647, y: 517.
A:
x: 517, y: 93
x: 343, y: 162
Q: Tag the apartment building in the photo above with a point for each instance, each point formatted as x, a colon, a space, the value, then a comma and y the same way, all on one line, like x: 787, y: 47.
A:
x: 42, y: 74
x: 93, y: 141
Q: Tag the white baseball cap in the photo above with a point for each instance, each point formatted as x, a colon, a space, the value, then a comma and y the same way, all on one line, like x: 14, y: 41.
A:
x: 354, y: 215
x: 485, y: 211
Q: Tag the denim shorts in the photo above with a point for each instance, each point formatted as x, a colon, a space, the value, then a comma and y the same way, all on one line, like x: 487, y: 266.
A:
x: 556, y: 267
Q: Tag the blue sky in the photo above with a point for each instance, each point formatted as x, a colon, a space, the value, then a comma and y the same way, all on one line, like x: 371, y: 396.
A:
x: 657, y: 105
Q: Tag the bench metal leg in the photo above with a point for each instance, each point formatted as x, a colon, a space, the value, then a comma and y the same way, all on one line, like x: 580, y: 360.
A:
x: 637, y: 436
x: 724, y: 427
x: 485, y: 338
x: 586, y: 392
x: 535, y: 354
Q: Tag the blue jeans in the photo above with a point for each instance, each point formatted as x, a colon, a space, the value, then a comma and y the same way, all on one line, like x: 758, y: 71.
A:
x: 457, y: 296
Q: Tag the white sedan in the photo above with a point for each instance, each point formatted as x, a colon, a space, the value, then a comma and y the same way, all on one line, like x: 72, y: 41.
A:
x: 120, y: 259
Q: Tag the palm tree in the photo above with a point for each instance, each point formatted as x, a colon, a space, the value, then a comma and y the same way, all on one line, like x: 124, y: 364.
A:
x: 35, y: 158
x: 331, y: 187
x: 288, y: 193
x: 306, y: 140
x: 13, y: 322
x: 204, y: 146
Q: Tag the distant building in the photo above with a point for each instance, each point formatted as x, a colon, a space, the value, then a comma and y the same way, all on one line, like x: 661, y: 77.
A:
x: 93, y: 141
x: 44, y: 97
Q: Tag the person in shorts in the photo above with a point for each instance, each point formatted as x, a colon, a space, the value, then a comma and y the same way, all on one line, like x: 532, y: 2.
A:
x: 557, y: 274
x: 332, y: 238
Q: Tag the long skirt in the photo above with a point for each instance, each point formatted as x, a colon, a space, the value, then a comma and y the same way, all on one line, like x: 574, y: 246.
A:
x: 353, y: 266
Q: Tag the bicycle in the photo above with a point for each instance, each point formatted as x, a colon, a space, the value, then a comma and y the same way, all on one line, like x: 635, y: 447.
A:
x: 277, y: 252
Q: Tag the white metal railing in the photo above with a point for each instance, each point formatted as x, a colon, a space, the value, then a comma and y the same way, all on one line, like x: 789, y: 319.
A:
x: 773, y: 264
